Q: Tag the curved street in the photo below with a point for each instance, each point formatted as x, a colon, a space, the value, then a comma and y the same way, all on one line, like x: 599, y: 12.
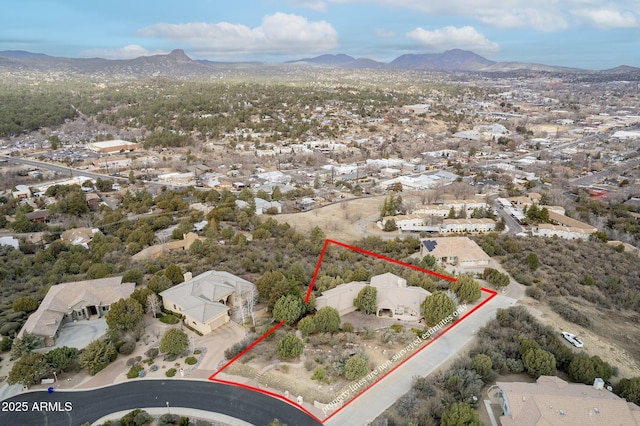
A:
x: 88, y: 406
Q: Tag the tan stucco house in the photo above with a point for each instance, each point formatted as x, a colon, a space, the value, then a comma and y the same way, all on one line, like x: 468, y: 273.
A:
x: 205, y: 300
x: 394, y: 297
x: 74, y: 301
x: 553, y: 401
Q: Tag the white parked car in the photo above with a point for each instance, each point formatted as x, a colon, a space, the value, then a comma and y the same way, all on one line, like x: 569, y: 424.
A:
x: 573, y: 339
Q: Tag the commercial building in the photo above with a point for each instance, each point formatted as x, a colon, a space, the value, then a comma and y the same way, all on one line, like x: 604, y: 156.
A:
x: 113, y: 146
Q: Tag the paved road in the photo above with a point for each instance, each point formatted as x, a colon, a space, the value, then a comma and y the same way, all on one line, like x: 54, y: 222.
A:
x: 89, y: 406
x: 364, y: 409
x: 513, y: 226
x: 71, y: 171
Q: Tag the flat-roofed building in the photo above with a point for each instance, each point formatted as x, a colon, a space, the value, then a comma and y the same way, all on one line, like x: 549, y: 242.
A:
x: 113, y: 146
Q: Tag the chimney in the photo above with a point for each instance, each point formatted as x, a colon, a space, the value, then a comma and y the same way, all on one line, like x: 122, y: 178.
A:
x: 187, y: 276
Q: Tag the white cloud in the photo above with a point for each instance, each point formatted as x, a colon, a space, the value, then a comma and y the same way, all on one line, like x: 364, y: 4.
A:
x: 127, y: 52
x: 279, y: 33
x: 382, y: 33
x: 452, y: 37
x: 606, y: 18
x: 542, y: 15
x: 319, y: 5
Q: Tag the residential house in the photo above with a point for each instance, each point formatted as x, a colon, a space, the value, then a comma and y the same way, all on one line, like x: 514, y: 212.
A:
x: 205, y: 300
x: 460, y: 251
x: 74, y: 301
x: 394, y: 298
x: 38, y: 216
x: 22, y: 192
x: 404, y: 221
x: 262, y: 206
x: 553, y: 401
x: 564, y: 227
x: 158, y: 250
x: 467, y: 226
x: 78, y: 236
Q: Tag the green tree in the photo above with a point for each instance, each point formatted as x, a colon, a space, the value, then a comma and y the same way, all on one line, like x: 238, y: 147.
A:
x: 429, y: 262
x: 25, y: 304
x: 24, y: 345
x: 539, y: 362
x: 585, y: 369
x: 276, y: 195
x: 141, y: 294
x: 356, y: 367
x: 137, y: 417
x: 54, y: 142
x: 174, y: 341
x: 288, y: 309
x: 289, y: 347
x: 466, y: 288
x: 532, y: 261
x: 133, y: 276
x: 124, y: 315
x: 327, y: 320
x: 132, y: 177
x: 459, y: 414
x: 29, y: 369
x: 482, y: 364
x: 273, y: 285
x: 366, y: 301
x: 174, y: 273
x: 307, y: 325
x: 97, y: 355
x: 296, y: 273
x: 390, y: 226
x: 495, y: 277
x: 63, y: 358
x: 629, y: 389
x: 437, y: 307
x: 159, y: 283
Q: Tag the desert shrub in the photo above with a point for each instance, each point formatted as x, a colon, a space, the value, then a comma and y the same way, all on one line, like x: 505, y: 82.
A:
x: 237, y: 348
x: 127, y: 347
x: 169, y: 319
x: 197, y: 352
x: 171, y: 372
x: 347, y: 327
x: 152, y: 352
x: 134, y: 371
x: 170, y: 357
x: 356, y: 367
x: 191, y: 360
x: 319, y: 374
x: 569, y: 313
x: 307, y: 325
x: 534, y: 292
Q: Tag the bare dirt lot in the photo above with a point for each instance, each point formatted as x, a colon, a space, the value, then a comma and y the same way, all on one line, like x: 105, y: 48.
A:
x: 344, y: 221
x: 614, y: 336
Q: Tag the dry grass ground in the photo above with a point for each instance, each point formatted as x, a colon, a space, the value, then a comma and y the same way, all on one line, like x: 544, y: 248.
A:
x: 344, y: 221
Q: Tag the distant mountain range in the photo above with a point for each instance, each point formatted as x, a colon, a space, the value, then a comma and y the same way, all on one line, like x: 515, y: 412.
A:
x: 177, y: 63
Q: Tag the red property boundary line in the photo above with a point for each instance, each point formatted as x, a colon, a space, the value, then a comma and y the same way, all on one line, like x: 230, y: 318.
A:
x: 327, y: 242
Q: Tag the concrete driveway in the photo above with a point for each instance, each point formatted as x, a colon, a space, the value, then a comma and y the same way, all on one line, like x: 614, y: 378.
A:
x: 80, y: 334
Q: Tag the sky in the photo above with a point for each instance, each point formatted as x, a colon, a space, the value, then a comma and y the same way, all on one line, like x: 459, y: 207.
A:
x: 589, y: 34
